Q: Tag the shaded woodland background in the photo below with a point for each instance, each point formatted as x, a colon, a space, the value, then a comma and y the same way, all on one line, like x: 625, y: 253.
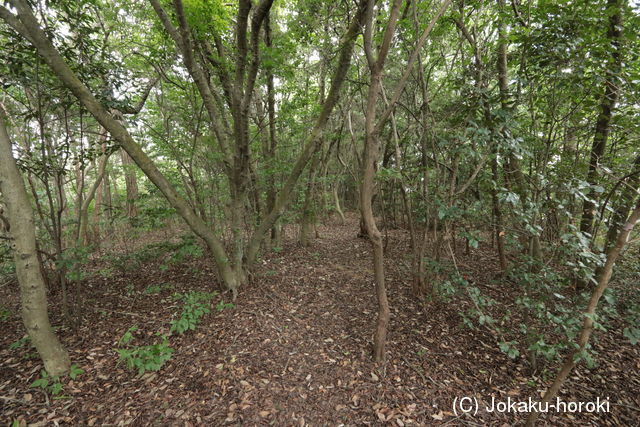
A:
x: 308, y: 212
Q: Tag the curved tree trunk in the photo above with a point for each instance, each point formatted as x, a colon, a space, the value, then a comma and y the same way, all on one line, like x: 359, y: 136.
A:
x: 32, y: 286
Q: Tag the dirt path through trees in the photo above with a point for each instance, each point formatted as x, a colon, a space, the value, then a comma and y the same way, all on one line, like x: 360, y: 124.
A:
x: 296, y: 350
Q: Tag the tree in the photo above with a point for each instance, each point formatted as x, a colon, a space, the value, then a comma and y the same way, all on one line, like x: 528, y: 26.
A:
x: 590, y: 311
x: 32, y: 286
x: 233, y: 269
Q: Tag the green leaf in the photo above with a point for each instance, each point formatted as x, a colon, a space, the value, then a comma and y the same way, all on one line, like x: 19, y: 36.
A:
x: 74, y: 371
x: 40, y: 382
x: 632, y: 334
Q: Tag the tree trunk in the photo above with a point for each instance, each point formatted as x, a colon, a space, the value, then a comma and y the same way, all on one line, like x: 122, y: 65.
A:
x: 84, y: 208
x: 131, y: 183
x: 272, y: 142
x: 370, y: 158
x: 587, y: 325
x: 32, y: 286
x: 497, y: 215
x: 623, y: 205
x: 308, y: 218
x: 607, y: 104
x: 336, y: 200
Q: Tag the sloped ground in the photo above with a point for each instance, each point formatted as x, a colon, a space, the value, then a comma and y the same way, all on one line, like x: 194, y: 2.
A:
x: 296, y: 351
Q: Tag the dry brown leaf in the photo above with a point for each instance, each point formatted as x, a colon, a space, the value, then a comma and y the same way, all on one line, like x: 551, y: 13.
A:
x: 439, y: 416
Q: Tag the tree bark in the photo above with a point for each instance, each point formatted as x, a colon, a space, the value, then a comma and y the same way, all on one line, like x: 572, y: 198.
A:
x: 32, y: 285
x: 309, y: 214
x: 336, y: 200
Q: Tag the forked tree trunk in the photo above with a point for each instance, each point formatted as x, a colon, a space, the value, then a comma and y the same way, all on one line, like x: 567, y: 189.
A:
x: 336, y: 200
x: 369, y: 160
x: 81, y: 237
x: 32, y: 286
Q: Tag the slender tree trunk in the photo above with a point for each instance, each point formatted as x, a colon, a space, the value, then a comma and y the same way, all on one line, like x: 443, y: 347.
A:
x: 336, y: 200
x: 370, y: 158
x: 32, y: 286
x: 607, y: 104
x: 271, y: 143
x: 587, y: 325
x: 131, y: 183
x: 308, y: 217
x: 497, y: 215
x: 84, y: 208
x: 97, y: 210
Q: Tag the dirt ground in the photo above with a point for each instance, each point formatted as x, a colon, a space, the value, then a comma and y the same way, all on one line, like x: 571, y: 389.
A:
x: 296, y: 350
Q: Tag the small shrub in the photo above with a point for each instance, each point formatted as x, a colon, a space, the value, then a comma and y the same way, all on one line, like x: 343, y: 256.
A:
x: 196, y: 305
x: 144, y: 358
x: 223, y: 305
x: 51, y: 384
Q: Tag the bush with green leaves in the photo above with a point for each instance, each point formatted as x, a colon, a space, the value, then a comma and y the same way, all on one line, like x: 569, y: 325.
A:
x: 224, y: 305
x: 546, y: 320
x: 196, y: 305
x: 52, y: 384
x: 143, y: 358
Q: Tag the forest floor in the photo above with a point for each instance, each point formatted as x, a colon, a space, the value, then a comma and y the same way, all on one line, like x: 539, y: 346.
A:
x: 296, y: 350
